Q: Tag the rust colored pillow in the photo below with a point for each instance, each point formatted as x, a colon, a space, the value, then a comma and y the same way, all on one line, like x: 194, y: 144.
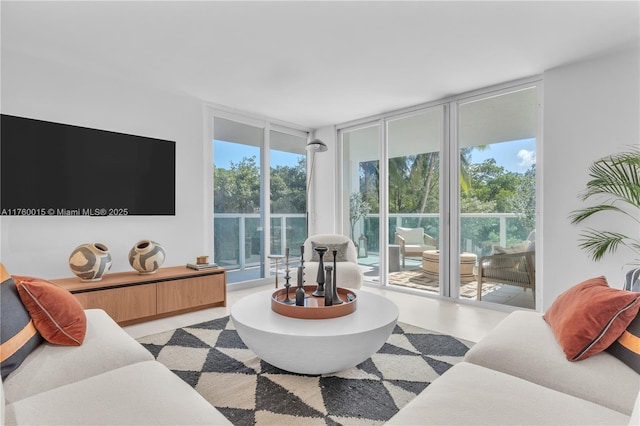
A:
x: 590, y: 316
x: 57, y: 315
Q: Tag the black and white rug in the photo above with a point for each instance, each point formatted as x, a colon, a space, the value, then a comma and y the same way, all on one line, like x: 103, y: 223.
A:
x: 212, y: 358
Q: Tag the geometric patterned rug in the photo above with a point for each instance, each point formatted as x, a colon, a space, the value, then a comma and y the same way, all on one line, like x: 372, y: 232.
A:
x: 212, y: 358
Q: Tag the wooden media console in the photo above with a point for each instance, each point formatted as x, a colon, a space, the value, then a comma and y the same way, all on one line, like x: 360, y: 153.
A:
x: 130, y: 297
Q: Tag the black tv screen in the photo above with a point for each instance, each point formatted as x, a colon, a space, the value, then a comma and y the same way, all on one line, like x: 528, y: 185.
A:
x: 58, y: 169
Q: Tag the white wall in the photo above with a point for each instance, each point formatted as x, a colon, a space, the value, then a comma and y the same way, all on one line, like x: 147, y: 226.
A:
x: 40, y: 246
x: 591, y: 109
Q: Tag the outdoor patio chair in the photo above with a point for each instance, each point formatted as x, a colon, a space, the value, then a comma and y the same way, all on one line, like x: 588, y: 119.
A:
x: 413, y: 241
x: 515, y: 267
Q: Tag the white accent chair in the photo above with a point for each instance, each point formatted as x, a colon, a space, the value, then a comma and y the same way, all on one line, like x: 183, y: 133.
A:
x: 349, y: 274
x: 413, y: 241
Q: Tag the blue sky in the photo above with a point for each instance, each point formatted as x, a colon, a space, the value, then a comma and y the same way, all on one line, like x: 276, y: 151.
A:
x: 515, y: 156
x: 225, y: 152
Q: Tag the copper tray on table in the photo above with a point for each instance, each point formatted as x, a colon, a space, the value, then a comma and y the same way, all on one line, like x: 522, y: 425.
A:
x: 313, y: 306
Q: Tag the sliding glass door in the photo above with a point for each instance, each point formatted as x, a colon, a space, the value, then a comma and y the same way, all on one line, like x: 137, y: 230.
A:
x: 414, y: 167
x: 288, y: 198
x: 257, y: 216
x: 497, y: 203
x: 237, y: 195
x: 361, y: 194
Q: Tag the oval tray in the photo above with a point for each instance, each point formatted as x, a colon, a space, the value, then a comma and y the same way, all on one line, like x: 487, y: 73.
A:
x: 313, y: 306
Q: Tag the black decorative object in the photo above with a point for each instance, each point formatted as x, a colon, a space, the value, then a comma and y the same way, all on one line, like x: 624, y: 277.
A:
x: 300, y: 290
x: 335, y: 298
x: 328, y: 286
x: 320, y: 279
x: 287, y: 277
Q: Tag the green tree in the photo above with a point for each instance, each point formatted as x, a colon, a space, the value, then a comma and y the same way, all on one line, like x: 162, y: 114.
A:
x: 523, y: 201
x: 288, y: 188
x: 237, y: 189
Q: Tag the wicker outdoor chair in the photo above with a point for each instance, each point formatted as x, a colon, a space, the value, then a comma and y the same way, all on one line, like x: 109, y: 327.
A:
x: 517, y: 269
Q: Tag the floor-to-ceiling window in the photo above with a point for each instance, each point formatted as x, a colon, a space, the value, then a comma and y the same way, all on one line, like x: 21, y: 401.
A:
x: 414, y: 143
x: 497, y: 135
x: 288, y: 165
x: 237, y: 150
x: 256, y: 216
x: 361, y: 194
x: 459, y: 190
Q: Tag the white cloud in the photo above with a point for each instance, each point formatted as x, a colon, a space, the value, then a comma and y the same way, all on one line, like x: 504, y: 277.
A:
x: 527, y: 158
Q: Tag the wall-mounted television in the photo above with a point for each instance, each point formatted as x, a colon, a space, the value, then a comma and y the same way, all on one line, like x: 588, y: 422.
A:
x: 53, y: 169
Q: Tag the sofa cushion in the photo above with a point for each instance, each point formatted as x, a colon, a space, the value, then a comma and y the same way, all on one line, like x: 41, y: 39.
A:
x: 145, y: 393
x: 341, y: 248
x: 57, y: 315
x: 469, y: 394
x: 106, y: 347
x: 523, y: 345
x: 590, y: 316
x: 18, y: 334
x: 627, y: 347
x: 515, y: 262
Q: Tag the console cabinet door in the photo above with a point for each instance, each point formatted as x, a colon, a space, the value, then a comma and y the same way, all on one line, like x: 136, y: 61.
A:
x: 122, y: 304
x: 187, y: 293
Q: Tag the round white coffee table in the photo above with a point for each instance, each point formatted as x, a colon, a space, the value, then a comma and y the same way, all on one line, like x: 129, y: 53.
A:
x: 314, y: 346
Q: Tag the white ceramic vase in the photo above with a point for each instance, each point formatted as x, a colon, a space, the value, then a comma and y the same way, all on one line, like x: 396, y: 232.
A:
x: 146, y: 256
x: 90, y: 261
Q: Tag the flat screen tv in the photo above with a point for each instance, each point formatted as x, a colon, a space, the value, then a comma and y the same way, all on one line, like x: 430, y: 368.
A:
x: 52, y: 169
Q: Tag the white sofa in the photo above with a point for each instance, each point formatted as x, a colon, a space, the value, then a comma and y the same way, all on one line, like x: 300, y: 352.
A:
x: 110, y: 379
x: 518, y: 374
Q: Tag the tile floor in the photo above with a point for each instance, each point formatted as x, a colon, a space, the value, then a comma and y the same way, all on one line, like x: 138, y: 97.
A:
x: 459, y: 320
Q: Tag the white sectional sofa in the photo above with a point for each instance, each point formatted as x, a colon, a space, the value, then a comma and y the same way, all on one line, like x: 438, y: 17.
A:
x: 518, y: 374
x: 109, y: 380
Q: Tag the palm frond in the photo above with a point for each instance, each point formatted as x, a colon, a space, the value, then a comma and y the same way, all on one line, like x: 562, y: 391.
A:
x: 578, y: 216
x: 617, y: 176
x: 598, y: 243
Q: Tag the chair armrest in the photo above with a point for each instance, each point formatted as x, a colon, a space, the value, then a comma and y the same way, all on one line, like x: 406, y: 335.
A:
x: 400, y: 240
x: 429, y: 240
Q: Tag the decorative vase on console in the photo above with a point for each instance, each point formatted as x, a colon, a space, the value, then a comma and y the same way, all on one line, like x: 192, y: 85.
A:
x: 146, y: 256
x: 90, y: 261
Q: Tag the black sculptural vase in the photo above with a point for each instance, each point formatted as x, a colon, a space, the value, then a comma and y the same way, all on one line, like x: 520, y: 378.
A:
x: 320, y: 279
x: 335, y: 299
x: 299, y: 301
x: 328, y: 290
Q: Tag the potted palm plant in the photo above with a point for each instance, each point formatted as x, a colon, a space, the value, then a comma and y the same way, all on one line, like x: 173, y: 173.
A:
x: 615, y: 182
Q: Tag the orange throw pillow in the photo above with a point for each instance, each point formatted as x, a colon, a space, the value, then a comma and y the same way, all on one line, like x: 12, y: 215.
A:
x: 57, y: 315
x: 590, y: 316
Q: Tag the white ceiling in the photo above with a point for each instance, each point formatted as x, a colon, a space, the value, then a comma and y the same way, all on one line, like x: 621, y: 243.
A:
x: 318, y: 63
